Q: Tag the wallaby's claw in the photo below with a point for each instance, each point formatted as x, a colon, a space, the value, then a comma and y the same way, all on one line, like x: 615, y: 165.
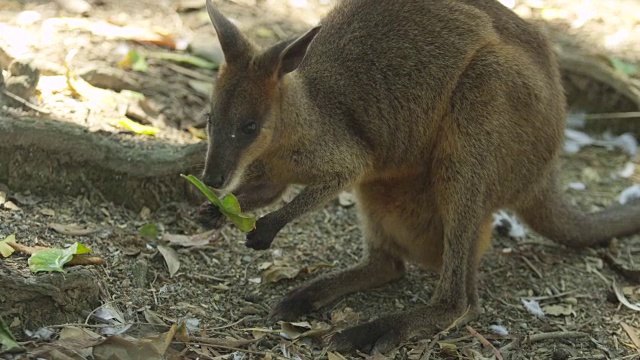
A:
x: 379, y: 336
x: 296, y: 304
x: 209, y: 216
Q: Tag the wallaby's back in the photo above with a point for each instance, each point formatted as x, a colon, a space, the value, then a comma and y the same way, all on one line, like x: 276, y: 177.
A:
x: 385, y: 71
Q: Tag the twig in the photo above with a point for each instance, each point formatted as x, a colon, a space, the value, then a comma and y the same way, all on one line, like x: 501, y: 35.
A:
x: 485, y: 342
x: 261, y: 353
x: 191, y: 73
x: 221, y: 342
x: 554, y: 336
x: 530, y: 264
x: 25, y: 102
x: 599, y: 71
x: 547, y: 297
x: 530, y: 339
x: 608, y: 116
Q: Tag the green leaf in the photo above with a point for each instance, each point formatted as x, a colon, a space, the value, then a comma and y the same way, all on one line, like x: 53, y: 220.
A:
x: 5, y: 249
x: 78, y: 249
x: 243, y: 222
x: 7, y: 341
x: 623, y: 66
x: 229, y: 206
x: 204, y: 189
x: 49, y: 260
x: 137, y: 128
x: 149, y: 231
x: 184, y: 58
x: 54, y: 259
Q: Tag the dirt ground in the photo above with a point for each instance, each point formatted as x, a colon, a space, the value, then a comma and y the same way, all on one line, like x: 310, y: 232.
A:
x: 228, y: 288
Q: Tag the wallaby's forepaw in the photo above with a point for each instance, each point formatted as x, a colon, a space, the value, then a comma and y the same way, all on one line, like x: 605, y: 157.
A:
x: 379, y: 336
x: 296, y: 304
x: 262, y: 236
x: 209, y: 216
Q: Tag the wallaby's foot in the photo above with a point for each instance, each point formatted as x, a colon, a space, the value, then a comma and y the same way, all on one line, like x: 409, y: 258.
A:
x: 209, y: 216
x: 384, y: 334
x: 378, y: 268
x: 294, y: 305
x: 262, y: 236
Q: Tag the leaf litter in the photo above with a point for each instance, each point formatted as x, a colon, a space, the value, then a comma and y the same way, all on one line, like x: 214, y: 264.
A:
x: 228, y: 264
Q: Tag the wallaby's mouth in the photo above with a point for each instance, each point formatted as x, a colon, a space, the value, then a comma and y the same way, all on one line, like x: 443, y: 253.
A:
x: 222, y: 184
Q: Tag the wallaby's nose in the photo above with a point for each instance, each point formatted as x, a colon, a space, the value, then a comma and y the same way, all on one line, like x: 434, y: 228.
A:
x: 215, y: 181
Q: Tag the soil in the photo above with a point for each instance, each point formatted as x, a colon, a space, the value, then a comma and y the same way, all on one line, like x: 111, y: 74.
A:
x: 224, y: 285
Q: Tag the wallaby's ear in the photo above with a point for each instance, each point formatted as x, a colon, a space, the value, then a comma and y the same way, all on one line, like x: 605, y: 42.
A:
x: 234, y: 44
x: 286, y: 56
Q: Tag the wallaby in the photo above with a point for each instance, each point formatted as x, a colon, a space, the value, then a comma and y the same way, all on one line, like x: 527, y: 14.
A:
x: 436, y: 113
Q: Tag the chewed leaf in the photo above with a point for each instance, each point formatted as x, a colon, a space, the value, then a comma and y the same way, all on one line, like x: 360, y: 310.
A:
x: 54, y: 259
x: 49, y: 260
x: 243, y: 222
x: 231, y: 204
x: 78, y: 249
x: 204, y: 189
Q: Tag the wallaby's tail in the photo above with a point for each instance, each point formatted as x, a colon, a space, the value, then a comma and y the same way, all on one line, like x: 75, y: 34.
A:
x: 548, y: 212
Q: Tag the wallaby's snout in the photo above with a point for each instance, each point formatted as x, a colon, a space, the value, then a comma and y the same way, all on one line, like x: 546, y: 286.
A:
x: 212, y: 179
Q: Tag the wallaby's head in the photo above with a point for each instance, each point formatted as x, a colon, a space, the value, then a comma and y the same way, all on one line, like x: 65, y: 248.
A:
x: 244, y: 110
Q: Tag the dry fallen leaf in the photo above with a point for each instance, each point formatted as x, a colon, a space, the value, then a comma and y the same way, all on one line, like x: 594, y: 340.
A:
x: 171, y: 258
x: 335, y: 356
x: 633, y: 335
x: 303, y: 329
x: 200, y: 239
x: 345, y: 317
x: 72, y: 229
x: 276, y: 273
x: 48, y: 212
x: 623, y: 300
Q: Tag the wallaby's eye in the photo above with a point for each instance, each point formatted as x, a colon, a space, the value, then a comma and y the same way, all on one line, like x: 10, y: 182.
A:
x: 250, y: 127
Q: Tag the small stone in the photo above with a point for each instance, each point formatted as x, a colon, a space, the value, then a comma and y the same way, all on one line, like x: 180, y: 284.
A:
x: 9, y: 205
x: 571, y: 300
x: 48, y: 212
x: 560, y: 354
x: 145, y: 213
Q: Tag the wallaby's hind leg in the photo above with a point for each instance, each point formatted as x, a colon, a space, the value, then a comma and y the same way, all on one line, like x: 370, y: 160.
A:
x: 549, y: 213
x: 455, y: 298
x: 377, y: 268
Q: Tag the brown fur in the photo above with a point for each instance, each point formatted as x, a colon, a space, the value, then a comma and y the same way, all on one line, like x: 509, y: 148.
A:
x: 436, y: 112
